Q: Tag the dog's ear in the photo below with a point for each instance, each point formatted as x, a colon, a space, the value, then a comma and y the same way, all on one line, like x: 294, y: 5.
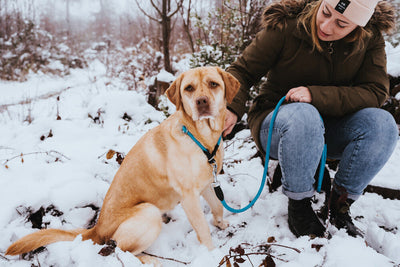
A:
x: 232, y: 85
x: 173, y: 92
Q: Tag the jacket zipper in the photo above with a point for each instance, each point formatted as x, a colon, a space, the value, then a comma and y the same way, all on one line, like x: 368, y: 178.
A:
x: 330, y: 52
x: 330, y: 48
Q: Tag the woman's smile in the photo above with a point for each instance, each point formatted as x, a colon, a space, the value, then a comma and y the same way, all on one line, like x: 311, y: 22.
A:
x: 322, y: 35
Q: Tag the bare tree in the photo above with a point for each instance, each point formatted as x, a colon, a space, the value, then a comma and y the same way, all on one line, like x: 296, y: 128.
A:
x: 3, y: 21
x: 247, y: 14
x: 165, y: 15
x: 185, y: 13
x: 68, y: 20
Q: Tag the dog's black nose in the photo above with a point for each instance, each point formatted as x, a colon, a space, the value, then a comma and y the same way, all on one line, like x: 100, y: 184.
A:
x: 202, y: 101
x: 202, y: 104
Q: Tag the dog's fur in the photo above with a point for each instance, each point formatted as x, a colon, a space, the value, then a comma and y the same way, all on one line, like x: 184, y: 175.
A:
x: 164, y: 168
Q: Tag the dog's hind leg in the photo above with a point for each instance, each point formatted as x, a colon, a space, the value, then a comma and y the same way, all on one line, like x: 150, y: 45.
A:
x: 140, y: 230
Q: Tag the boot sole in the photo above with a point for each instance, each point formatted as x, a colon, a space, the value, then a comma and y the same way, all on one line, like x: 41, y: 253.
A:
x: 312, y: 236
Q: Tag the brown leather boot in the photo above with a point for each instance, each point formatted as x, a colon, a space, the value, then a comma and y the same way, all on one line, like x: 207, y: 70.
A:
x: 303, y: 220
x: 339, y: 210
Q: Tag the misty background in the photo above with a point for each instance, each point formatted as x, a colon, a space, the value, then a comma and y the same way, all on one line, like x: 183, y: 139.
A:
x: 134, y: 39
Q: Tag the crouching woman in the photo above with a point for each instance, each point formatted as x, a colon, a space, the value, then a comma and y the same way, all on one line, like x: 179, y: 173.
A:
x: 328, y: 58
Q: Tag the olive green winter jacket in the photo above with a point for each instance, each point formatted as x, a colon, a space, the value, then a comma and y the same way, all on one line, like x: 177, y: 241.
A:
x: 341, y: 81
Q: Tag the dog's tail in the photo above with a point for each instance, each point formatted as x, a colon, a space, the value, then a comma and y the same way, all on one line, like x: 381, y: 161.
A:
x: 42, y: 238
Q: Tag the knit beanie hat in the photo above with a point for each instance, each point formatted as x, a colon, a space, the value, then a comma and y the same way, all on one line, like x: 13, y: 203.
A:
x: 357, y: 11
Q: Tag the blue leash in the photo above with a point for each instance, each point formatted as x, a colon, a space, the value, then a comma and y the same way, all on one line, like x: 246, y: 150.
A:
x: 217, y: 188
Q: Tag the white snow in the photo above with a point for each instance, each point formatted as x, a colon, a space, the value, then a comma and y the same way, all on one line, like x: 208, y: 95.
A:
x: 165, y: 76
x: 70, y: 171
x: 393, y: 57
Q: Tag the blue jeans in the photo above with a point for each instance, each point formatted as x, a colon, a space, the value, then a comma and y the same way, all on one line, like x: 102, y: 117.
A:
x: 362, y: 141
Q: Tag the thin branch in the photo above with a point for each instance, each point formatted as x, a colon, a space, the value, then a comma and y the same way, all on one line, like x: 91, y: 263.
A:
x: 6, y: 148
x: 123, y: 265
x: 37, y: 260
x: 29, y: 101
x: 35, y: 153
x: 236, y: 9
x: 283, y: 246
x: 144, y: 12
x: 240, y: 253
x: 179, y: 6
x: 4, y: 258
x: 156, y: 8
x: 168, y: 259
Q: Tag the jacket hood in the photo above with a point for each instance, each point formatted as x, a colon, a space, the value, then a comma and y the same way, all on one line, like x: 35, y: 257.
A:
x: 277, y: 14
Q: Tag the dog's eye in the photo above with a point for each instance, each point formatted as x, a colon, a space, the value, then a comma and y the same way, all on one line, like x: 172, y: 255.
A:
x: 189, y: 88
x: 213, y: 84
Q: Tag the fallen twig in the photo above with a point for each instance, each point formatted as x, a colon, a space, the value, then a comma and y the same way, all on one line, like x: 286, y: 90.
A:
x: 29, y: 101
x: 48, y: 153
x: 168, y: 259
x: 239, y: 252
x: 123, y: 265
x: 4, y: 258
x: 383, y: 191
x: 37, y: 260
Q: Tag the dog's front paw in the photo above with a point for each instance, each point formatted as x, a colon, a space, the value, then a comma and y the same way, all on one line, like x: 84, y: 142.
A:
x: 221, y: 224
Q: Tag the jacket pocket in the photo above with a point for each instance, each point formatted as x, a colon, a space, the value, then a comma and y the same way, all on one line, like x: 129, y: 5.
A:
x: 379, y: 60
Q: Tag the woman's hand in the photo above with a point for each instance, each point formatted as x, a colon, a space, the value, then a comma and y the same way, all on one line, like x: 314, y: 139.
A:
x: 230, y: 121
x: 299, y: 94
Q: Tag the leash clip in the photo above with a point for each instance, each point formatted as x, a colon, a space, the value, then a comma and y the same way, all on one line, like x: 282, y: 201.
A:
x: 214, y: 172
x: 216, y: 184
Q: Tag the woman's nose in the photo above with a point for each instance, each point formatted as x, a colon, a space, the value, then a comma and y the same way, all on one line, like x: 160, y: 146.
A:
x: 327, y: 26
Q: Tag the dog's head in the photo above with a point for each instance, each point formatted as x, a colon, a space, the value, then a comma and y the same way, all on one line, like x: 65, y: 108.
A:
x: 203, y: 92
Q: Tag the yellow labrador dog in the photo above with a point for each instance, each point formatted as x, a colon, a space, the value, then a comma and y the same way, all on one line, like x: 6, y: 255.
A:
x: 164, y: 168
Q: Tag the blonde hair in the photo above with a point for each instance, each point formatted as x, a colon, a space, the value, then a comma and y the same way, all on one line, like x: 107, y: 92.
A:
x: 308, y: 20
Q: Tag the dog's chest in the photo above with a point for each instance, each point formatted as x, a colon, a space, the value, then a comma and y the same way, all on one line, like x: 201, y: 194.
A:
x: 195, y: 169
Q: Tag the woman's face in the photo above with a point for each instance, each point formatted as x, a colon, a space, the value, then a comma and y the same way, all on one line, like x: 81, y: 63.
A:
x: 331, y: 25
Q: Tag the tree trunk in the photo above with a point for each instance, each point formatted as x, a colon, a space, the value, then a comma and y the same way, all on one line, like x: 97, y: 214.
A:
x: 186, y: 26
x: 166, y: 34
x: 68, y: 22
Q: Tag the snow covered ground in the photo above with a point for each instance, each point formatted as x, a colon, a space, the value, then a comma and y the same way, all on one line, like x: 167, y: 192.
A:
x: 61, y: 165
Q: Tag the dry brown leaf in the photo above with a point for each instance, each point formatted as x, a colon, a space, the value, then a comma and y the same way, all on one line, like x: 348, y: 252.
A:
x: 317, y: 246
x: 110, y: 154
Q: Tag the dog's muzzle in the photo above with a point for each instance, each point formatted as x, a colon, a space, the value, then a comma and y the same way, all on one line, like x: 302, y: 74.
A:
x: 203, y: 106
